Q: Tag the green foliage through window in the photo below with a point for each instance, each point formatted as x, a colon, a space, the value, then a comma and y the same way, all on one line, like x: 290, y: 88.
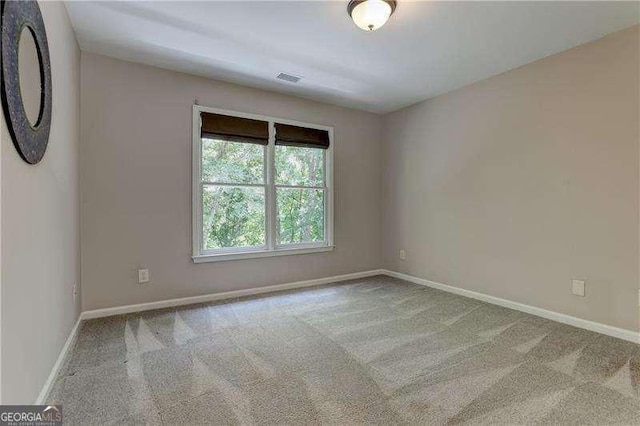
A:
x: 234, y: 195
x: 232, y: 162
x: 299, y: 166
x: 233, y: 217
x: 300, y: 215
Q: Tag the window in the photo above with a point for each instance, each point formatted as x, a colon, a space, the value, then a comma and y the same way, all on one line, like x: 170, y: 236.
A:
x: 261, y: 186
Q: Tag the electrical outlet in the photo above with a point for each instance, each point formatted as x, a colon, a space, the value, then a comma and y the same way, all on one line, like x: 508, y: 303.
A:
x: 74, y: 289
x: 143, y: 276
x: 403, y: 255
x: 577, y: 287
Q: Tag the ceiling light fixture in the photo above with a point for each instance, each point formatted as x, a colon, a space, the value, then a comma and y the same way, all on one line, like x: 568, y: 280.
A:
x: 370, y: 15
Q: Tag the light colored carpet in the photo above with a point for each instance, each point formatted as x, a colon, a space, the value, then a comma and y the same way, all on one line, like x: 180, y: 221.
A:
x: 370, y: 351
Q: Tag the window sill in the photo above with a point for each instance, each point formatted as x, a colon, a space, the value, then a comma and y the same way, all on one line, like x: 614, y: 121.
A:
x: 257, y: 254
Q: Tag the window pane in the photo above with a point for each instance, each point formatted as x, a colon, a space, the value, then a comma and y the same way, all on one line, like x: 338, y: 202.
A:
x: 232, y: 217
x: 300, y: 215
x: 299, y: 166
x: 232, y: 162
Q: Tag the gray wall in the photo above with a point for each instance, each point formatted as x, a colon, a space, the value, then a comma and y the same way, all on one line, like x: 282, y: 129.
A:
x: 136, y: 186
x: 40, y: 227
x: 517, y: 184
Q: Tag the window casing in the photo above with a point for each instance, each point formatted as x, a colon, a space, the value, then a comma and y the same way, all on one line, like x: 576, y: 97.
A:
x: 273, y: 186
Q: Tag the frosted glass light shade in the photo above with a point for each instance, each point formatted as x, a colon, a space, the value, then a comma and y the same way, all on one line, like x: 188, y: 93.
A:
x: 370, y: 15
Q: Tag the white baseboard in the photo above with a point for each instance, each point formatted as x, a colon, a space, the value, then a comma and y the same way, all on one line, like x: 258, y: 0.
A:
x: 632, y: 336
x: 119, y: 310
x: 59, y: 363
x: 620, y: 333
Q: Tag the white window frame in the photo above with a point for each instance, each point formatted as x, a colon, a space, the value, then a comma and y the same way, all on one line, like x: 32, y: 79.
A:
x: 271, y: 248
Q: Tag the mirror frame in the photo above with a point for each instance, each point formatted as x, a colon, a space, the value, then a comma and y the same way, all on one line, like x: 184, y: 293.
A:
x: 30, y: 140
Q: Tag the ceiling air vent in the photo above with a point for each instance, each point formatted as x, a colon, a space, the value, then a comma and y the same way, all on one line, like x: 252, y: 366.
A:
x: 288, y: 77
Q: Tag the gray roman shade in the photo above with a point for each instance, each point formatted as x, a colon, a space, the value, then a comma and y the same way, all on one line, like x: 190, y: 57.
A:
x: 301, y: 136
x: 234, y: 129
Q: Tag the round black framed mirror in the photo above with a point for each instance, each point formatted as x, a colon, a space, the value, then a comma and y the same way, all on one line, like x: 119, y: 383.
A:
x: 29, y: 129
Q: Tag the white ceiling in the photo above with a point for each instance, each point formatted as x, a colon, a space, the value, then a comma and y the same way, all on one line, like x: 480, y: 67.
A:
x: 427, y: 47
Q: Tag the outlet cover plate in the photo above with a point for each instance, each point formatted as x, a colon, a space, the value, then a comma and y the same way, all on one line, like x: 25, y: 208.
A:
x: 577, y: 287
